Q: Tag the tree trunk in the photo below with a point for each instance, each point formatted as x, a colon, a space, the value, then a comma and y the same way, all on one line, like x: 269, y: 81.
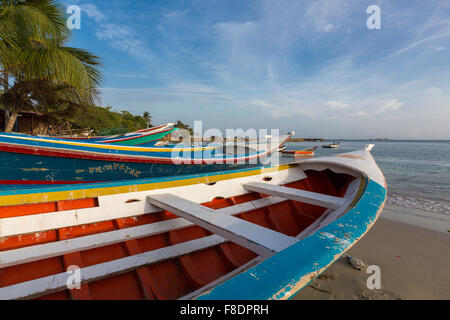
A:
x: 5, y: 82
x: 12, y: 120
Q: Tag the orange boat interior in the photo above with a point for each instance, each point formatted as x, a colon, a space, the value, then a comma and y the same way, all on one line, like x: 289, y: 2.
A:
x: 170, y: 279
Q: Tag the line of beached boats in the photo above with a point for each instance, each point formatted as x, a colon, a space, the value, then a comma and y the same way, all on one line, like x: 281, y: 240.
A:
x: 121, y: 217
x: 38, y: 160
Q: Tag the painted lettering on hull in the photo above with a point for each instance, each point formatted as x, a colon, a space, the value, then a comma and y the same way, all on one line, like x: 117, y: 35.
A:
x: 115, y: 167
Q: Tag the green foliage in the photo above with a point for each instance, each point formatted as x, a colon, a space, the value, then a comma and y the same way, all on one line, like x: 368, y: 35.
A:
x: 187, y: 127
x: 100, y: 119
x: 48, y: 76
x: 33, y: 52
x: 32, y: 47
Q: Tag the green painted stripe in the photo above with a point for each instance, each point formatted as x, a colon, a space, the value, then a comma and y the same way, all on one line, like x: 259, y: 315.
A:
x: 141, y: 140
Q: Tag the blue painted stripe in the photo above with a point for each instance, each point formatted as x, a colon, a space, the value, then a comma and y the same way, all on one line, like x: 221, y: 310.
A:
x: 287, y: 272
x: 26, y: 167
x: 21, y: 190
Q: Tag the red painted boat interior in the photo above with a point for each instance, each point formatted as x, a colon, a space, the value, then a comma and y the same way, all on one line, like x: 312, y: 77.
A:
x: 170, y: 279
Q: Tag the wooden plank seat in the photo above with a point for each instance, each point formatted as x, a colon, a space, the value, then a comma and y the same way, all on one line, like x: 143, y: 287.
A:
x: 262, y: 241
x: 314, y: 198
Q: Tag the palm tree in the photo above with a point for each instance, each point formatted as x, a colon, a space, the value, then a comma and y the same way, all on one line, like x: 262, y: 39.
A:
x: 148, y: 119
x: 187, y: 127
x: 33, y: 34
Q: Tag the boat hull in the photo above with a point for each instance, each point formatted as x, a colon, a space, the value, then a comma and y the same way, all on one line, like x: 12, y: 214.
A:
x: 149, y: 140
x: 145, y: 137
x: 28, y: 169
x: 310, y: 152
x: 332, y: 146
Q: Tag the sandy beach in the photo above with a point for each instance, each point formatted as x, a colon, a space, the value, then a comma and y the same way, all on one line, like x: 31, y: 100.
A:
x: 411, y: 248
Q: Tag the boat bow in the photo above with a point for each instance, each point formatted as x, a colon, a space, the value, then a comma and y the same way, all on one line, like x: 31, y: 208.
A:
x: 287, y: 272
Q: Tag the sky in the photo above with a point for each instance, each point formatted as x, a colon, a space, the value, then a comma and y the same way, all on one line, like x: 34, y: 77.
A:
x: 309, y: 66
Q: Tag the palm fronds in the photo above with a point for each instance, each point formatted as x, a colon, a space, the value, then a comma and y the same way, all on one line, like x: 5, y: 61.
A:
x: 33, y: 34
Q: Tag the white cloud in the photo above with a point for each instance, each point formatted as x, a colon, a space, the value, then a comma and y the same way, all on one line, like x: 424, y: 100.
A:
x: 328, y: 28
x: 328, y: 15
x: 92, y: 12
x: 126, y: 75
x: 112, y: 31
x: 420, y: 42
x: 123, y: 38
x: 270, y: 73
x: 283, y: 108
x: 360, y: 114
x: 391, y: 105
x: 336, y: 105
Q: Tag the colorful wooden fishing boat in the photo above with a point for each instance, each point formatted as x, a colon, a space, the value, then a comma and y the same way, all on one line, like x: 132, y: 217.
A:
x: 255, y: 233
x: 32, y: 160
x: 282, y: 148
x: 335, y: 145
x: 307, y: 152
x: 144, y: 137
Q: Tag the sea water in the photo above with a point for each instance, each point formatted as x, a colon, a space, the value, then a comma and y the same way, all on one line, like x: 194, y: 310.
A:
x: 417, y: 172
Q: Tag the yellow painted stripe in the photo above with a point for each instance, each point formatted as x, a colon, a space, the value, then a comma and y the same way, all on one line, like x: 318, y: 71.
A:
x: 361, y: 188
x: 21, y: 199
x: 115, y: 147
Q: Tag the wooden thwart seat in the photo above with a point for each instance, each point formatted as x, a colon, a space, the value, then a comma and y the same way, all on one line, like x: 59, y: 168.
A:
x: 313, y: 198
x: 263, y: 241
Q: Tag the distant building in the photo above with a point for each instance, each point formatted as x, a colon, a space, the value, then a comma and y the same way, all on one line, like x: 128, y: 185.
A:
x: 27, y: 122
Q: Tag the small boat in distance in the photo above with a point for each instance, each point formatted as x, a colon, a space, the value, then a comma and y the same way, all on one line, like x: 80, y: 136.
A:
x: 334, y: 145
x: 249, y: 234
x: 307, y: 152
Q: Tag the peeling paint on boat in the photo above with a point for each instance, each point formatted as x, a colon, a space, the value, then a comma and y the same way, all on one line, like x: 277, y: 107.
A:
x: 350, y: 156
x: 35, y: 169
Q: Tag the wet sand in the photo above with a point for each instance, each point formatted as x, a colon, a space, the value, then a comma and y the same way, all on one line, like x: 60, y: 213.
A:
x: 412, y: 249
